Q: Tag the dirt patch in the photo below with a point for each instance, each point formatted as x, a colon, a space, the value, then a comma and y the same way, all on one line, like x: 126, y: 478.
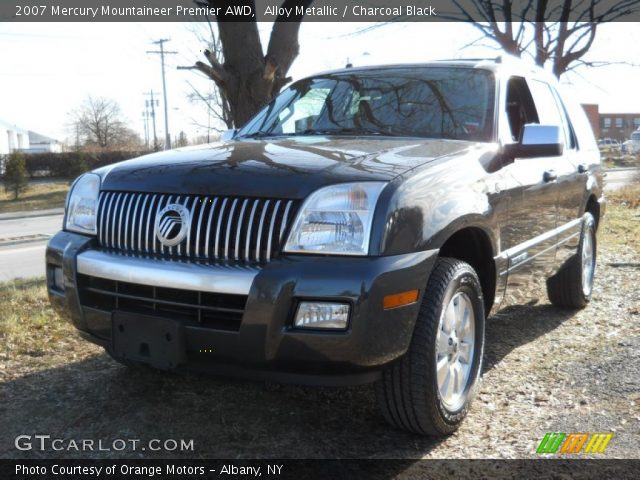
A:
x: 545, y: 370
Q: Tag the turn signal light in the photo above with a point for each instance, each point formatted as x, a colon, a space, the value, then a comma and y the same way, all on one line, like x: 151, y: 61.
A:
x: 400, y: 299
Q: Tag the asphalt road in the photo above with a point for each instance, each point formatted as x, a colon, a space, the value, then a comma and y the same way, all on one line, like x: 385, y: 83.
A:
x: 620, y: 177
x: 22, y: 245
x: 24, y: 256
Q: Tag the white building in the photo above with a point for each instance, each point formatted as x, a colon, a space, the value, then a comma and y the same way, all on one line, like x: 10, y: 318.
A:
x: 40, y: 143
x: 12, y: 138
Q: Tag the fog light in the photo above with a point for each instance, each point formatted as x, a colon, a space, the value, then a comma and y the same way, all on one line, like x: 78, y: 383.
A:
x: 58, y: 279
x: 322, y: 315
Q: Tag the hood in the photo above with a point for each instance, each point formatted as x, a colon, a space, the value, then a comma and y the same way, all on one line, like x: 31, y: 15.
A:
x: 278, y: 168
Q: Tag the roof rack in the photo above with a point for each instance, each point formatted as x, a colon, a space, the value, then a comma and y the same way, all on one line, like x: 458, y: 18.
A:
x: 497, y: 59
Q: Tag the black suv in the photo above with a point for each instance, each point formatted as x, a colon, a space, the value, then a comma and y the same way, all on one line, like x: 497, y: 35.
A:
x: 359, y: 228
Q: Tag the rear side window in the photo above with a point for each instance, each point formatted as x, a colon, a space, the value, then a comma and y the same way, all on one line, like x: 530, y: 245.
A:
x: 548, y: 112
x: 551, y: 111
x: 571, y: 142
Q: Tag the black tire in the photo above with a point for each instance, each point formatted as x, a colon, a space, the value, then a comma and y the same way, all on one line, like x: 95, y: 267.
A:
x: 567, y: 288
x: 408, y: 393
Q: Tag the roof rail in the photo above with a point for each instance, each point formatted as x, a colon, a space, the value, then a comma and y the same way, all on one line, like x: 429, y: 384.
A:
x: 497, y: 59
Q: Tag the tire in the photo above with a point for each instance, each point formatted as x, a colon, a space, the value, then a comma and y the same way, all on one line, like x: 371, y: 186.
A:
x: 409, y: 394
x: 572, y: 286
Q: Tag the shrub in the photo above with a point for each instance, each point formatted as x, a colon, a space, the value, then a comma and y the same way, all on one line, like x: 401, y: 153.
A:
x: 75, y: 167
x: 15, y: 174
x: 71, y: 164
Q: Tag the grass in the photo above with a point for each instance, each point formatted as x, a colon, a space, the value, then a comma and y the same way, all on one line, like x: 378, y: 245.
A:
x: 618, y: 160
x: 622, y: 222
x: 38, y: 196
x: 28, y: 324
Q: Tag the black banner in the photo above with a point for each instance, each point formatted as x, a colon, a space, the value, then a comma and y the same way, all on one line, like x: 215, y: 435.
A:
x: 318, y: 10
x: 311, y: 469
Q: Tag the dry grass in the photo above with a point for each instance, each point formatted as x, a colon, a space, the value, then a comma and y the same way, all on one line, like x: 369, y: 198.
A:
x: 618, y: 160
x: 628, y: 196
x: 28, y: 324
x: 38, y: 196
x: 622, y: 221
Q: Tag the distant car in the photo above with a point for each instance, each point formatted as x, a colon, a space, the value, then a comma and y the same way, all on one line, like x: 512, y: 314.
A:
x: 633, y: 145
x: 359, y: 228
x: 609, y: 145
x: 628, y: 147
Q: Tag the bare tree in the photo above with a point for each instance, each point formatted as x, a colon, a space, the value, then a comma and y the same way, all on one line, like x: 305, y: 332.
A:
x: 560, y: 32
x: 214, y: 101
x: 99, y: 123
x: 246, y: 76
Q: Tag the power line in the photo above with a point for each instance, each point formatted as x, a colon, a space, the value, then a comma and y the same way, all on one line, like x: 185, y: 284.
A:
x: 162, y: 52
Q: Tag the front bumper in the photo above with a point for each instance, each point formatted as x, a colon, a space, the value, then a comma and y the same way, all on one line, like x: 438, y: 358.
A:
x: 264, y: 344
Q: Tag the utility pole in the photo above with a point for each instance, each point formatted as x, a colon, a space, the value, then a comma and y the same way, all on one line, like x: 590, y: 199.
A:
x: 145, y: 120
x: 162, y: 52
x: 152, y: 103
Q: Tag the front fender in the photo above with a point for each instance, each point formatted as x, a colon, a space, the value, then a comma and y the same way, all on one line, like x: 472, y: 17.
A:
x: 424, y: 220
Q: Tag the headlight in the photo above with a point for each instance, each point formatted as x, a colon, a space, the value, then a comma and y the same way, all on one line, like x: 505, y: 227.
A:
x: 336, y: 220
x: 82, y: 205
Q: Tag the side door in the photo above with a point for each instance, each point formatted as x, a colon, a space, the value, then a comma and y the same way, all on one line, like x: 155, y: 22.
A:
x: 528, y: 242
x: 576, y: 171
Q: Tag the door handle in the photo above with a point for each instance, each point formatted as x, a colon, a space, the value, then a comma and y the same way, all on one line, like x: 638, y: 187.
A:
x: 550, y: 176
x: 583, y: 168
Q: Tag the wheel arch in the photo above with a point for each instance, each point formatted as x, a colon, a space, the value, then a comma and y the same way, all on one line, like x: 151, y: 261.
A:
x: 593, y: 206
x: 474, y: 245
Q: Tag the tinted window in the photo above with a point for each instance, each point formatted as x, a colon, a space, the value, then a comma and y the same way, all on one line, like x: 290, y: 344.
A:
x: 435, y: 102
x: 520, y: 107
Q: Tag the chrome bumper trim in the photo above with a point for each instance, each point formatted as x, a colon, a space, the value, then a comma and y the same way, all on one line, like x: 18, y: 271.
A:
x: 166, y: 273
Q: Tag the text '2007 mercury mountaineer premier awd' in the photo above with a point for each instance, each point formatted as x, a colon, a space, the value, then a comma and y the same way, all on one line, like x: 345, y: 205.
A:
x: 359, y: 228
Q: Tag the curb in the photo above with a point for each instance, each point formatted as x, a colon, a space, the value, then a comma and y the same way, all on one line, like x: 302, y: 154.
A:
x: 10, y: 243
x: 32, y: 213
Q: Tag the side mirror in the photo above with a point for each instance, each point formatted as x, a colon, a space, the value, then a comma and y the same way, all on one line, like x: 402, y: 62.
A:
x: 228, y: 135
x: 537, y: 141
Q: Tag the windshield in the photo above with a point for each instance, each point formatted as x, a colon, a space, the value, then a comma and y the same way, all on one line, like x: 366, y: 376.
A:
x: 635, y: 136
x: 433, y: 102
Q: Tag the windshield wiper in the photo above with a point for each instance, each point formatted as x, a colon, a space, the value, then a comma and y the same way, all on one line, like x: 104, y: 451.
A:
x: 343, y: 131
x: 259, y: 135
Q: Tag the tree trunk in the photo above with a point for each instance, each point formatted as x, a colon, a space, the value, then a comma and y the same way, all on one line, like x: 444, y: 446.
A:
x: 249, y: 78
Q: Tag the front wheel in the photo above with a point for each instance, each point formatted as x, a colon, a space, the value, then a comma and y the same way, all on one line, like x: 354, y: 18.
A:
x: 429, y: 390
x: 571, y: 287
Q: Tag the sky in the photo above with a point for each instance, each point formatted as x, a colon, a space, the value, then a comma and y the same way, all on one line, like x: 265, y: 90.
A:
x: 48, y: 69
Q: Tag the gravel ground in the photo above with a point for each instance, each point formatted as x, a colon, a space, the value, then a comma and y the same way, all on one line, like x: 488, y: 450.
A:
x: 545, y: 370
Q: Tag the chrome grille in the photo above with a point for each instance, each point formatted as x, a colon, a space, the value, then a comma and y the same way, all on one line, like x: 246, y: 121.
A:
x: 222, y: 228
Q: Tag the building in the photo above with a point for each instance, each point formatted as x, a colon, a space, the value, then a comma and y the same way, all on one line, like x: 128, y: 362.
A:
x: 12, y: 138
x: 619, y: 126
x: 593, y: 114
x: 40, y: 143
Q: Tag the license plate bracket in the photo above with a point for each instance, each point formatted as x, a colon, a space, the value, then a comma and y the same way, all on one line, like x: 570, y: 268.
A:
x: 155, y: 341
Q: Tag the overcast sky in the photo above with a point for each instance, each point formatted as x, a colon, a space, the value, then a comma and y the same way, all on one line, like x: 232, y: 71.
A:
x: 47, y: 69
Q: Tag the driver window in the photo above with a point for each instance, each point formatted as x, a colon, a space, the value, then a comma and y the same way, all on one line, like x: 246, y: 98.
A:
x: 301, y: 115
x: 520, y: 107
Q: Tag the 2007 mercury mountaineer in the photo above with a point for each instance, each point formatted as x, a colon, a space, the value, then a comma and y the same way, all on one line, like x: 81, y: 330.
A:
x: 359, y: 228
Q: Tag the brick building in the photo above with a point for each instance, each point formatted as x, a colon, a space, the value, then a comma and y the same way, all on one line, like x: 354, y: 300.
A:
x: 593, y: 114
x: 612, y: 125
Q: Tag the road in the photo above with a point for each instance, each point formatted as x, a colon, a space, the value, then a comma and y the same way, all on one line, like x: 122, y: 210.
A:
x: 24, y: 227
x: 22, y: 245
x: 26, y: 259
x: 620, y: 177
